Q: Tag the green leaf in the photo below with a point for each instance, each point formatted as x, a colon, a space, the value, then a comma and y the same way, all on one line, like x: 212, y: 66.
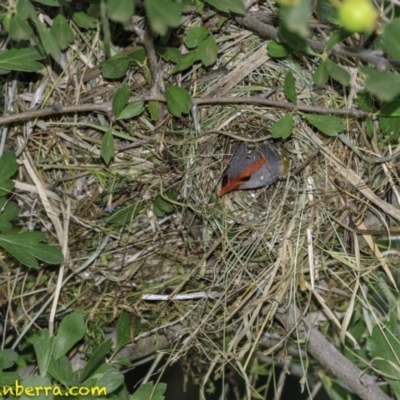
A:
x: 207, y: 51
x: 21, y: 60
x: 327, y: 12
x: 333, y: 390
x: 337, y: 37
x: 163, y: 14
x: 83, y: 20
x: 328, y: 124
x: 293, y: 40
x: 115, y: 68
x: 8, y: 166
x: 8, y: 211
x: 365, y: 101
x: 95, y: 360
x: 169, y: 53
x: 162, y: 206
x: 8, y: 358
x: 390, y: 109
x: 107, y: 379
x: 228, y: 6
x: 391, y: 34
x: 49, y: 43
x: 29, y: 385
x: 276, y: 49
x: 121, y: 10
x: 9, y: 378
x: 194, y: 36
x: 337, y: 73
x: 153, y: 110
x: 25, y: 9
x: 137, y: 56
x: 107, y: 147
x: 159, y: 213
x: 390, y: 126
x: 370, y: 128
x: 148, y: 391
x: 186, y: 62
x: 289, y: 87
x: 51, y: 3
x: 6, y: 187
x: 283, y: 128
x: 123, y: 361
x: 70, y: 332
x: 20, y: 29
x: 111, y: 379
x: 62, y: 32
x: 321, y: 74
x: 120, y: 99
x: 385, y: 348
x: 295, y: 18
x: 386, y: 85
x: 123, y: 331
x: 178, y: 100
x: 26, y: 248
x: 125, y: 215
x: 61, y: 371
x: 43, y: 345
x: 131, y: 110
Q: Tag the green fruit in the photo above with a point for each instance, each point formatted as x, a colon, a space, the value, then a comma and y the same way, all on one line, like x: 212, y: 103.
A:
x: 357, y: 15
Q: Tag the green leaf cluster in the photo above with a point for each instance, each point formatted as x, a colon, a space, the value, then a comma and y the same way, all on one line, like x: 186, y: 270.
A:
x: 23, y: 24
x: 56, y: 371
x: 381, y: 86
x: 203, y: 46
x: 327, y: 124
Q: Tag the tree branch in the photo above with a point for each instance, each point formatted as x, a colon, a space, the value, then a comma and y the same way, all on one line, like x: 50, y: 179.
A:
x: 330, y: 358
x: 253, y: 22
x: 106, y: 107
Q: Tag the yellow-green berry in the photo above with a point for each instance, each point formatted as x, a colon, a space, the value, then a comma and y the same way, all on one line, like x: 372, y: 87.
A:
x: 357, y: 15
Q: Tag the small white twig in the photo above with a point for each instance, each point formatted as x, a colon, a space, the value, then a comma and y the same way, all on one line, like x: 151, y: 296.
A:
x: 187, y: 296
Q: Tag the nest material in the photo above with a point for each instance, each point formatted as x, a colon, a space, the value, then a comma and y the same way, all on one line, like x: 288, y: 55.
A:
x: 250, y: 253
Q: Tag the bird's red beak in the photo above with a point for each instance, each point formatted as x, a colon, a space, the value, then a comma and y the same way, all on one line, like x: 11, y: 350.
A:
x: 238, y: 180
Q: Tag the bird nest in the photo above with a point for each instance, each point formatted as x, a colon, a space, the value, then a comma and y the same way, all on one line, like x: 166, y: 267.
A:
x: 204, y: 274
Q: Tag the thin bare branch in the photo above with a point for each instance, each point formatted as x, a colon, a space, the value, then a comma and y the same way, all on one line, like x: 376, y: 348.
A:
x: 330, y: 358
x: 106, y: 107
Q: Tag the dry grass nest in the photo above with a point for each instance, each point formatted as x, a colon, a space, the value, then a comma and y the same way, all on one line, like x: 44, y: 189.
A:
x: 155, y: 213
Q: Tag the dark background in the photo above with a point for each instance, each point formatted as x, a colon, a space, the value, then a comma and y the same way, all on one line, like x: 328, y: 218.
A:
x: 173, y: 377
